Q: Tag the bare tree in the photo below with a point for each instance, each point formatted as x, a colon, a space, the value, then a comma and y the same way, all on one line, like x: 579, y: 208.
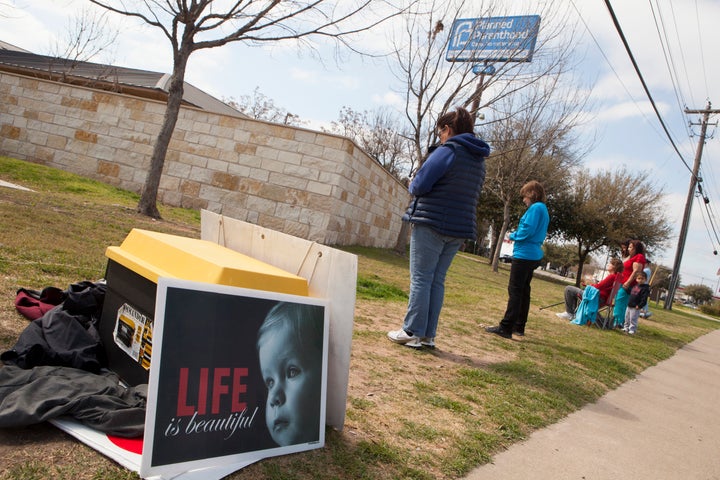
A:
x: 260, y: 107
x: 88, y: 34
x: 533, y: 140
x: 431, y: 85
x: 380, y: 134
x: 192, y: 25
x: 387, y: 142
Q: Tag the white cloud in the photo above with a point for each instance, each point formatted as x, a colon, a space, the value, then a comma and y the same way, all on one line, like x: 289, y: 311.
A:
x: 388, y: 98
x: 304, y: 75
x: 623, y: 111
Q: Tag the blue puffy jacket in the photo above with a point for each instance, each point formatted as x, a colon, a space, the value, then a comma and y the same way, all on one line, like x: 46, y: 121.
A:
x: 447, y: 187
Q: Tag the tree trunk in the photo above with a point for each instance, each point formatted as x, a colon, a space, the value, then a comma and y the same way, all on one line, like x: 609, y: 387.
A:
x: 582, y: 257
x: 495, y: 244
x: 148, y: 198
x: 401, y: 244
x: 501, y: 236
x: 481, y: 240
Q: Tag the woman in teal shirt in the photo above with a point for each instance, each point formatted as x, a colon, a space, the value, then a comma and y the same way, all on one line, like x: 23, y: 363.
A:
x: 527, y: 254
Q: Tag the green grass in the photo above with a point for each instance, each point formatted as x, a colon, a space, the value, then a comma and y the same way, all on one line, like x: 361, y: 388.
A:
x: 374, y: 287
x: 428, y: 414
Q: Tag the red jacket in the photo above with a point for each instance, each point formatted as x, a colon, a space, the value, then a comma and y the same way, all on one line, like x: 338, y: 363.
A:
x: 605, y: 286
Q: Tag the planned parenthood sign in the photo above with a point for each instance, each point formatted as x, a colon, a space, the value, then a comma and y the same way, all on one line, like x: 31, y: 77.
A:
x: 495, y: 39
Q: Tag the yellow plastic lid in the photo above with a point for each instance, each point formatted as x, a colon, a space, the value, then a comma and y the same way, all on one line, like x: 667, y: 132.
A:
x: 154, y: 255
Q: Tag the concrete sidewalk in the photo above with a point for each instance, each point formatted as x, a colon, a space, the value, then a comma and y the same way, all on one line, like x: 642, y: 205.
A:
x: 662, y: 425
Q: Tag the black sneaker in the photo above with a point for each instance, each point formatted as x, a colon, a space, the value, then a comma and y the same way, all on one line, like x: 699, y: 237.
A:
x: 519, y: 333
x: 498, y: 330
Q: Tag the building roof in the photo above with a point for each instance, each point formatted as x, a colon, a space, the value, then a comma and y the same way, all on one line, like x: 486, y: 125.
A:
x: 130, y: 81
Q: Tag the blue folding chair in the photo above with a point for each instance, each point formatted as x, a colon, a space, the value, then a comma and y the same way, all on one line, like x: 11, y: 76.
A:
x: 587, y: 310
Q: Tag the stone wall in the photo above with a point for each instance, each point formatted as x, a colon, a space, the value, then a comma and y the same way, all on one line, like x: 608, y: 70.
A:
x: 312, y: 185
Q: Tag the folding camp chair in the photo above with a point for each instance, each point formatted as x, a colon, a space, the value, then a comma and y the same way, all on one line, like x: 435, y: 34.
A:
x: 604, y: 319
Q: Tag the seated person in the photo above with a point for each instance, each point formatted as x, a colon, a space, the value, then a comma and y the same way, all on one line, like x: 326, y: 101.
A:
x: 573, y: 294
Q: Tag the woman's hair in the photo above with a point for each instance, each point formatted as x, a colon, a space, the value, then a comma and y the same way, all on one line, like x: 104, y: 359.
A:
x: 617, y: 265
x: 534, y: 190
x: 624, y: 247
x: 460, y: 121
x: 639, y: 246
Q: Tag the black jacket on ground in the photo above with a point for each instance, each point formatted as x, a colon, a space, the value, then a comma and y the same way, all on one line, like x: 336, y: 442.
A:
x: 66, y: 336
x: 31, y: 396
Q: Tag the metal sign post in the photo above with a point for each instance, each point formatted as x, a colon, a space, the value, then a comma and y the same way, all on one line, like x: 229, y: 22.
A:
x: 481, y: 70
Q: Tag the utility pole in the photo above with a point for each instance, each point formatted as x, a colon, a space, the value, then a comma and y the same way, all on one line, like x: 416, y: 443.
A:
x: 675, y: 278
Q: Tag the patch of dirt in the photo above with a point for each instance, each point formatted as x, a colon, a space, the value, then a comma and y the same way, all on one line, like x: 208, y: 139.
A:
x: 392, y: 387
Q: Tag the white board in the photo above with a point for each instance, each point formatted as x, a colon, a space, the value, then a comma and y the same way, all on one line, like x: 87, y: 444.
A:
x: 237, y: 375
x: 331, y: 274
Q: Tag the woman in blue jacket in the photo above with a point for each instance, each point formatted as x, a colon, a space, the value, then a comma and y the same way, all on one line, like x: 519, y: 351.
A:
x: 527, y: 254
x: 443, y: 214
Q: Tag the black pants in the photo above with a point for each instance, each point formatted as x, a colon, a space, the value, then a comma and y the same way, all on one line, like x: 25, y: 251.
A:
x: 518, y: 306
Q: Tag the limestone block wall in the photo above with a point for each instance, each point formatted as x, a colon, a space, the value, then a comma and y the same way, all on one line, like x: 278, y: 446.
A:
x: 309, y: 184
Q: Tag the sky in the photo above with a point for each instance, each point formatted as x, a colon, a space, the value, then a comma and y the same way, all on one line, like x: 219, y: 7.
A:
x: 681, y: 72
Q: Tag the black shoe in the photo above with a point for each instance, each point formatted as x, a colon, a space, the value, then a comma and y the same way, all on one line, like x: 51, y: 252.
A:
x: 498, y: 330
x: 519, y: 333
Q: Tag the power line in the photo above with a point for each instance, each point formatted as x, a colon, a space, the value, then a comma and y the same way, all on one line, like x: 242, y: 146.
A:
x: 710, y: 213
x: 702, y: 54
x: 705, y: 222
x: 675, y: 78
x: 610, y: 65
x: 682, y: 55
x: 696, y: 186
x: 645, y: 87
x: 669, y: 60
x: 661, y: 30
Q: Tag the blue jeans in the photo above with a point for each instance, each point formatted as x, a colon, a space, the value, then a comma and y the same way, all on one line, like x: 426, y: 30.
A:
x: 430, y: 257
